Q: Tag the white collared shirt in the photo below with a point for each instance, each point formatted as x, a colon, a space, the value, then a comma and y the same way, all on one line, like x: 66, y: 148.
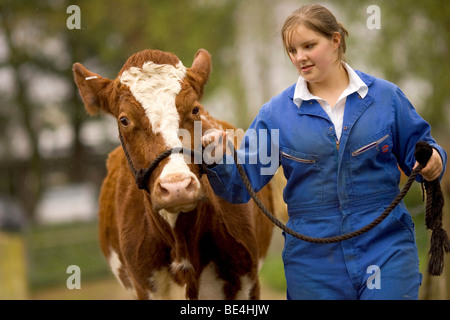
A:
x: 336, y: 113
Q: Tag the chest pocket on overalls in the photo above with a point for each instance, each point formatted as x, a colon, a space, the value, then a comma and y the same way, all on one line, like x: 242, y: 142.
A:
x: 374, y: 145
x: 373, y: 165
x: 304, y: 177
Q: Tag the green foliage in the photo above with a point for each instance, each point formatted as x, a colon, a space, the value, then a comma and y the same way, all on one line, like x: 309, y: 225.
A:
x: 412, y: 44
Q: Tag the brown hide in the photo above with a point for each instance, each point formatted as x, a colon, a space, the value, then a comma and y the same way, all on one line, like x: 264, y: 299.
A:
x: 212, y: 251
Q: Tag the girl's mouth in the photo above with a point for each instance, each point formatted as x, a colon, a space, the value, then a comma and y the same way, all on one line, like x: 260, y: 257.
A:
x: 307, y: 68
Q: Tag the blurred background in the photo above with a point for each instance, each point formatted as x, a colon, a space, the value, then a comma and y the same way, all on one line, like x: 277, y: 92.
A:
x: 52, y: 155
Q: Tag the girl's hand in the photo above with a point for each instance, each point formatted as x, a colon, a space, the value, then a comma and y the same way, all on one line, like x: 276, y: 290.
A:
x: 217, y: 138
x: 433, y: 168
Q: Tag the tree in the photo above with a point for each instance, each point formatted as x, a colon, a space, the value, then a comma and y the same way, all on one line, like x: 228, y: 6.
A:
x: 411, y: 49
x: 39, y: 45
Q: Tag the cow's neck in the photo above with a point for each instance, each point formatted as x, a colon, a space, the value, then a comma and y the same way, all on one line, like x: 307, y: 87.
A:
x: 185, y: 236
x: 185, y: 262
x: 181, y: 237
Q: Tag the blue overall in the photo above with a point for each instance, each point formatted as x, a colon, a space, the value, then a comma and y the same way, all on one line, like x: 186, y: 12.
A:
x: 333, y: 189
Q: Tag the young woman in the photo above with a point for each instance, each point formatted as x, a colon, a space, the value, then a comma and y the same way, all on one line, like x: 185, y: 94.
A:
x: 341, y: 136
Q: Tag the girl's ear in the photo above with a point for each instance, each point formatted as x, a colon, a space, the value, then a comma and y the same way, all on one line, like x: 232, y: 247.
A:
x: 336, y: 40
x: 94, y: 89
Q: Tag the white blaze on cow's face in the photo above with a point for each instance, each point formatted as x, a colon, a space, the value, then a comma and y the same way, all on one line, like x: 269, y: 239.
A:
x: 155, y: 87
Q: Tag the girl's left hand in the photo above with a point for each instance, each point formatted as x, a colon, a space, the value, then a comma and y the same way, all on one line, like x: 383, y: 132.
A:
x: 433, y: 168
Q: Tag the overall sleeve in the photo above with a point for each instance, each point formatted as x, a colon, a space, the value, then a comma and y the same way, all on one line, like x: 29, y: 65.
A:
x: 410, y: 129
x: 258, y: 154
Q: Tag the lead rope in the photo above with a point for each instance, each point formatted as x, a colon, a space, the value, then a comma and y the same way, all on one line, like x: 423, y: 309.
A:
x: 334, y: 239
x: 440, y: 243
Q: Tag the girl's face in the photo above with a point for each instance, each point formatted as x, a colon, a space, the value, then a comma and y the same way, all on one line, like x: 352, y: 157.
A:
x: 313, y: 55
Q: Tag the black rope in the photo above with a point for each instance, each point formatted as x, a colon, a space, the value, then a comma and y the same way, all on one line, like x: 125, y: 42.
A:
x: 333, y: 239
x: 125, y: 151
x: 142, y: 175
x: 439, y: 243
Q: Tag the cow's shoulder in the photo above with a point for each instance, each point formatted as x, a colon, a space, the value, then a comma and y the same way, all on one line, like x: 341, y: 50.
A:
x: 115, y: 159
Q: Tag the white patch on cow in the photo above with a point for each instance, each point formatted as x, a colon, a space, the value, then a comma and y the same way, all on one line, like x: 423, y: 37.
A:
x: 165, y: 287
x: 155, y: 87
x: 177, y: 164
x: 171, y: 218
x: 210, y: 285
x: 260, y: 263
x: 246, y: 286
x: 116, y: 267
x: 114, y: 263
x: 176, y: 266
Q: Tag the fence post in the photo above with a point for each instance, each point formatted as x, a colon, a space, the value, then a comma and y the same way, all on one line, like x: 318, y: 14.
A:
x: 13, y: 275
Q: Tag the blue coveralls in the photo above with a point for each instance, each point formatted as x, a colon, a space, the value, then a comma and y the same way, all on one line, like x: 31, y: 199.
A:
x: 335, y: 189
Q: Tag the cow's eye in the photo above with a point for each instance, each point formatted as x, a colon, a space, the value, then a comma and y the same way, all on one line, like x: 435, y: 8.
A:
x: 124, y: 121
x: 195, y: 110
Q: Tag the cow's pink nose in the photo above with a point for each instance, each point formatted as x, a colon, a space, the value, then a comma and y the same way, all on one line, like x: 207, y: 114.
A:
x: 176, y: 189
x: 175, y: 192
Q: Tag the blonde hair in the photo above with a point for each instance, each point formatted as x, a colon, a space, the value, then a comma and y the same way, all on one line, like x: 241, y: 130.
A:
x: 318, y: 19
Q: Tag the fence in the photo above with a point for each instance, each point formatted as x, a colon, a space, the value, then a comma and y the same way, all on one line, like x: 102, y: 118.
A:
x: 52, y: 249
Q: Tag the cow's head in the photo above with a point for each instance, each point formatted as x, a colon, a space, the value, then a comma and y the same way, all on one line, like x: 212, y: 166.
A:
x: 152, y: 98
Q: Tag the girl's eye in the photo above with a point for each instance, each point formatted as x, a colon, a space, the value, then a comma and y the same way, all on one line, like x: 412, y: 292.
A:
x: 124, y: 121
x: 195, y: 110
x: 292, y: 51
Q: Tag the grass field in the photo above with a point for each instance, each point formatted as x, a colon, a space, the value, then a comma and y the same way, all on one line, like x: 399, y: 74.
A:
x: 98, y: 285
x: 107, y: 288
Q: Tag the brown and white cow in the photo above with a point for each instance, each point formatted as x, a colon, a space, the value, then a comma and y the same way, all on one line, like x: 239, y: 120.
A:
x: 177, y: 239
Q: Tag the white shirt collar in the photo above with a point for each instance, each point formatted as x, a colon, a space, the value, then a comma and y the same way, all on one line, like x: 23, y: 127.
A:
x: 355, y: 85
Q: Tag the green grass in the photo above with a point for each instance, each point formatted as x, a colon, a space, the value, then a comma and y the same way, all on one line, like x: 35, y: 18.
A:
x: 51, y: 249
x: 272, y: 271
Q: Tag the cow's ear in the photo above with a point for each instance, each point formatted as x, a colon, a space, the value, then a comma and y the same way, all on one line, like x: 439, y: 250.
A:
x: 94, y: 89
x: 202, y: 68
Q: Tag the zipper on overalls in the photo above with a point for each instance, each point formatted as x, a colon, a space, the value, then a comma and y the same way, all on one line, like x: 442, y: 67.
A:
x: 369, y: 146
x: 335, y: 138
x: 336, y: 154
x: 288, y: 156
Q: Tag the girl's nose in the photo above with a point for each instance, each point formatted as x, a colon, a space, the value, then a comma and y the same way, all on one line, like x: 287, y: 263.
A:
x: 300, y: 56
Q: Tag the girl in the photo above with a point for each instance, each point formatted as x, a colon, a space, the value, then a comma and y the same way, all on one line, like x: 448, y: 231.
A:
x: 341, y: 136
